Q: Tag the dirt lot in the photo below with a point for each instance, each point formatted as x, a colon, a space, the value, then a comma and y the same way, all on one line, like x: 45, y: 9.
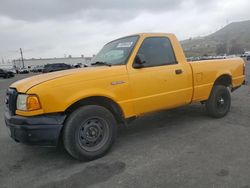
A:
x: 176, y: 148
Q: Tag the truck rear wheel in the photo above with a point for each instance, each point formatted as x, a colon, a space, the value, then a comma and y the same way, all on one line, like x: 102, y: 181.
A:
x: 219, y: 102
x: 89, y: 132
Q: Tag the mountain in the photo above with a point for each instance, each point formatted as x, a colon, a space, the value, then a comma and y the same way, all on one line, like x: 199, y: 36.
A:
x: 232, y: 39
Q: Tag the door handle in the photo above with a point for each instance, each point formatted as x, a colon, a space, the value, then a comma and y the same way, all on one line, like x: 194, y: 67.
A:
x: 178, y: 71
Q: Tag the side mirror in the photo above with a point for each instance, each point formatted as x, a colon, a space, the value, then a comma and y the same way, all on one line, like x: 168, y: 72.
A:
x: 139, y: 61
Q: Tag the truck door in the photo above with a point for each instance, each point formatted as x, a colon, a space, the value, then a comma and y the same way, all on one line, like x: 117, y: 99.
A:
x: 161, y: 82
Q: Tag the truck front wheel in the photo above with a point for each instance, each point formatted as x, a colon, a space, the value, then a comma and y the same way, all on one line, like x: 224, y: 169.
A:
x: 219, y: 102
x: 89, y: 132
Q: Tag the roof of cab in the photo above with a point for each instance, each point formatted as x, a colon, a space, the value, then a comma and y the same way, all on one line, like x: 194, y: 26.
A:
x: 144, y: 35
x: 151, y: 34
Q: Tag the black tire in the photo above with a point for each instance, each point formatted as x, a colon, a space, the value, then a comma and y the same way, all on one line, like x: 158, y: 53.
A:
x: 219, y: 102
x: 89, y: 132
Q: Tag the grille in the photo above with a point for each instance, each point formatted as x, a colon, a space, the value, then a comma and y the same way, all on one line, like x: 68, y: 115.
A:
x: 11, y: 97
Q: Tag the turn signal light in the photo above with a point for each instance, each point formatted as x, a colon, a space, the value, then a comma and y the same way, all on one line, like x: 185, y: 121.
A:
x: 33, y: 103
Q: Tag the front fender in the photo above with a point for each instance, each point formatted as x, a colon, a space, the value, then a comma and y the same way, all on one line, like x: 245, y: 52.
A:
x: 93, y: 92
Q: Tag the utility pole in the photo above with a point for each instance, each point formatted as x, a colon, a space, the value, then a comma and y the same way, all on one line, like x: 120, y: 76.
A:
x: 21, y: 52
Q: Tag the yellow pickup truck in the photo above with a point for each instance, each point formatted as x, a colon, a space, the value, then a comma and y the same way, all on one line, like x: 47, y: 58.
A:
x: 129, y: 77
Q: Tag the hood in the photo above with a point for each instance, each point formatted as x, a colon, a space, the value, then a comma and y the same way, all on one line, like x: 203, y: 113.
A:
x: 84, y: 73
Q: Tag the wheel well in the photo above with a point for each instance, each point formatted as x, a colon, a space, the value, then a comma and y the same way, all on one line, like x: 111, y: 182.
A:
x: 112, y: 106
x: 224, y: 80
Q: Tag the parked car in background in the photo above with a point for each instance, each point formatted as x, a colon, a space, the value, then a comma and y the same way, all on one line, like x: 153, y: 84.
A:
x: 24, y: 71
x: 245, y: 54
x: 6, y: 73
x: 77, y: 65
x: 38, y: 68
x: 13, y: 70
x: 248, y: 58
x: 55, y: 67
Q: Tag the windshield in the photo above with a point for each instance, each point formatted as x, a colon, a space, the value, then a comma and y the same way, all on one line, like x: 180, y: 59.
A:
x: 116, y: 52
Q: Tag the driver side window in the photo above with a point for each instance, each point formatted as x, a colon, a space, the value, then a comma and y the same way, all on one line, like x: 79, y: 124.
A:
x: 157, y: 51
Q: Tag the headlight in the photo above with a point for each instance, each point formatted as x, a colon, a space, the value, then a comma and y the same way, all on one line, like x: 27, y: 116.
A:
x: 27, y: 102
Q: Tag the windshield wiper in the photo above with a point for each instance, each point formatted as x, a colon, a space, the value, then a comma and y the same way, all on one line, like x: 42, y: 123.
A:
x: 101, y: 63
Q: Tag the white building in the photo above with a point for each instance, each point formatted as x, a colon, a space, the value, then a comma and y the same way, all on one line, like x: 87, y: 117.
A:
x: 6, y: 64
x: 30, y: 63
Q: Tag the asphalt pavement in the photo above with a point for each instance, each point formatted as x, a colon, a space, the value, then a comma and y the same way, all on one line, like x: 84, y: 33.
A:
x: 182, y: 147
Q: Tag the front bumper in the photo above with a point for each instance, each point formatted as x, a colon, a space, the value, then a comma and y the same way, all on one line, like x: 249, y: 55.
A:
x: 41, y: 130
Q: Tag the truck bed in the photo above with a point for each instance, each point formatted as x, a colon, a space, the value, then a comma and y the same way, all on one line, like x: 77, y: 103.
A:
x: 204, y: 75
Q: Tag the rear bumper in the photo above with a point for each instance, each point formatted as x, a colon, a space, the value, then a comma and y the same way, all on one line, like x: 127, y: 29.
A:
x: 38, y: 130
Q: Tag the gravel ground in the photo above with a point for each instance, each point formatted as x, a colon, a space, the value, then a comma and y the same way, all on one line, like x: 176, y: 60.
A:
x: 175, y: 148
